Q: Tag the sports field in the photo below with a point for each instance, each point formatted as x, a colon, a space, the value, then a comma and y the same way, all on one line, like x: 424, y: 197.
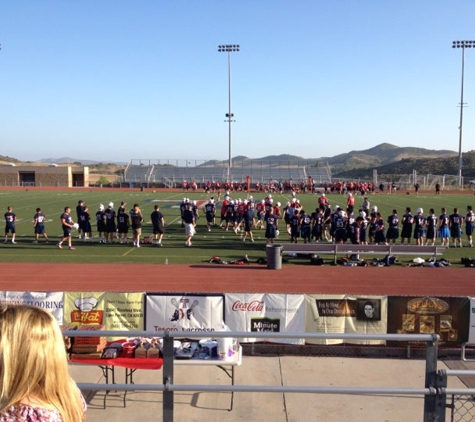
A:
x: 225, y: 244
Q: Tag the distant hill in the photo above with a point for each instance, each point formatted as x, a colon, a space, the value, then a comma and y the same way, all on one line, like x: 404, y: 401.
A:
x: 381, y: 155
x: 443, y: 165
x: 69, y: 160
x: 385, y: 158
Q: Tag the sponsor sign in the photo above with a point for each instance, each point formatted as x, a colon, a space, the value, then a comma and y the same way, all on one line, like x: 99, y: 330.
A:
x: 471, y: 335
x: 184, y: 313
x: 447, y: 316
x: 344, y: 314
x: 51, y: 301
x: 116, y: 311
x: 257, y: 312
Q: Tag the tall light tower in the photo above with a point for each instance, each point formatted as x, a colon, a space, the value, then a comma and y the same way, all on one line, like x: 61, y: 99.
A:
x: 229, y: 48
x: 463, y: 45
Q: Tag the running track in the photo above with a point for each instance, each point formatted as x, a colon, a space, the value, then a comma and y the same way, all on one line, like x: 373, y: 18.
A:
x: 214, y: 278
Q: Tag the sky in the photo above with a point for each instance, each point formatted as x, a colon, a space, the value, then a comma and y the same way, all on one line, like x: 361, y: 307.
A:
x: 114, y: 80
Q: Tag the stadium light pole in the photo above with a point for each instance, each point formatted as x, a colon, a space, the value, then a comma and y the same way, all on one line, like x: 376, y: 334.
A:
x: 463, y: 45
x: 229, y: 48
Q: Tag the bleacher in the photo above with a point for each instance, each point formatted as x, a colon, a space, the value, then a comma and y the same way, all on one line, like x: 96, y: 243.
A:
x: 148, y: 174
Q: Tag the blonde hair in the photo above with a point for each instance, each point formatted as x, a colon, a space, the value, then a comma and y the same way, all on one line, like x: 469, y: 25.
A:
x: 33, y: 362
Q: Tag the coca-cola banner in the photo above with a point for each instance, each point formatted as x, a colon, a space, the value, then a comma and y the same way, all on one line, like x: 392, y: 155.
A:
x: 51, y: 301
x: 447, y: 316
x: 116, y: 311
x: 185, y: 313
x: 344, y: 314
x: 257, y: 312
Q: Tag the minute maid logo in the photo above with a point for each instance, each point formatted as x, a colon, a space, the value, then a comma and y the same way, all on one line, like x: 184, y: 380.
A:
x: 85, y: 312
x: 265, y: 324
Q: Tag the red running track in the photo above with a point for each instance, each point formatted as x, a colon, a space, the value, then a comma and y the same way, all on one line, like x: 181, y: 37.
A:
x: 212, y: 278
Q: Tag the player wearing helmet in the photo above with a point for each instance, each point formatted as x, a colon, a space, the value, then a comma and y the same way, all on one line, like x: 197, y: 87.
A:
x: 210, y: 211
x: 419, y: 227
x: 111, y: 228
x: 101, y: 224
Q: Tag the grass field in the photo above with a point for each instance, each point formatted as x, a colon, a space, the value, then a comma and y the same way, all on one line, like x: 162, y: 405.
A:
x: 224, y: 244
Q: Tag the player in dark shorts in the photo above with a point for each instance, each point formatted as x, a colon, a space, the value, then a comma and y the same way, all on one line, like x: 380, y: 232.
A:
x: 455, y: 225
x: 86, y: 225
x: 393, y: 228
x: 317, y: 225
x: 10, y: 219
x: 67, y: 224
x: 419, y: 227
x: 248, y: 223
x: 469, y: 225
x: 79, y: 211
x: 379, y: 230
x: 123, y: 226
x: 39, y: 224
x: 407, y: 222
x: 210, y: 211
x: 158, y: 223
x: 431, y: 227
x: 305, y: 232
x: 294, y: 227
x: 340, y: 223
x: 111, y: 228
x: 271, y: 226
x: 101, y: 223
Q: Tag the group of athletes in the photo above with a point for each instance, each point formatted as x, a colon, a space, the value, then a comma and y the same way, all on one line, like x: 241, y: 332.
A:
x: 338, y: 224
x: 368, y: 226
x: 325, y: 224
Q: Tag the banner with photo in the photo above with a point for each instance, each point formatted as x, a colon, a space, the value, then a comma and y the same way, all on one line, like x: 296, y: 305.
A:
x: 447, y: 316
x: 345, y: 314
x: 116, y: 311
x: 184, y: 313
x: 260, y: 312
x: 51, y: 301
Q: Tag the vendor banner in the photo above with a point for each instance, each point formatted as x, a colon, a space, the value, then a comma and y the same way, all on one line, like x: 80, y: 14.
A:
x: 259, y: 312
x: 116, y: 311
x: 471, y: 334
x: 447, y: 316
x: 344, y: 314
x: 184, y: 313
x: 51, y: 301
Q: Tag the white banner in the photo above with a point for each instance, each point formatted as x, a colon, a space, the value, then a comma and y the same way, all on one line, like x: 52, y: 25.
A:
x: 51, y: 301
x: 346, y: 315
x: 184, y: 313
x: 471, y: 331
x: 258, y: 312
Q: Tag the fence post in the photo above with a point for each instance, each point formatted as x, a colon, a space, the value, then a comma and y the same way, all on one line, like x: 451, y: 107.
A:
x: 432, y: 412
x: 168, y: 401
x: 442, y: 395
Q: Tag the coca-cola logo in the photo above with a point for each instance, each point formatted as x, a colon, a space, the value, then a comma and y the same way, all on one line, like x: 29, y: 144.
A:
x: 252, y: 306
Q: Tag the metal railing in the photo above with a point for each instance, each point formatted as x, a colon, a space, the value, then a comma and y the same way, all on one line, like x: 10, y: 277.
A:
x: 434, y: 391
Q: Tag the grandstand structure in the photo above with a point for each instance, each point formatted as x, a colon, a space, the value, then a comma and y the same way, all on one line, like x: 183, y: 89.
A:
x: 172, y: 173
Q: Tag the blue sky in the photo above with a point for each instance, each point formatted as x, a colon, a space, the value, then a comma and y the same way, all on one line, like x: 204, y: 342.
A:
x: 115, y: 80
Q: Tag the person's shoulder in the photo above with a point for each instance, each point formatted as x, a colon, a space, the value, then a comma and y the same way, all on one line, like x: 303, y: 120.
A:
x: 30, y: 413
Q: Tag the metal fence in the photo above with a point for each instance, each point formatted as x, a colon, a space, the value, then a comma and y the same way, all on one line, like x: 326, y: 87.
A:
x: 435, y: 391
